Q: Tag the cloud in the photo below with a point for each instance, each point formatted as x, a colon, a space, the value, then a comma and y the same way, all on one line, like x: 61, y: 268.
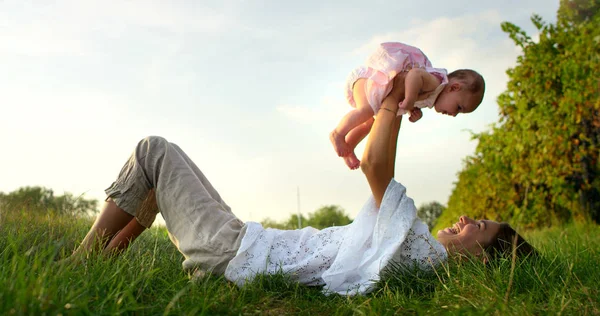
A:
x: 448, y: 42
x: 71, y: 28
x: 159, y: 15
x: 39, y: 38
x: 329, y: 109
x: 299, y: 113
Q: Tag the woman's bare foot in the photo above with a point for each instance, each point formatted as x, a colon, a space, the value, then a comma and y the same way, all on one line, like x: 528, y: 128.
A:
x: 339, y: 144
x: 352, y: 161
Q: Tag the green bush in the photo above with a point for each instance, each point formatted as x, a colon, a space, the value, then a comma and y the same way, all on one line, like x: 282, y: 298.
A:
x: 539, y: 164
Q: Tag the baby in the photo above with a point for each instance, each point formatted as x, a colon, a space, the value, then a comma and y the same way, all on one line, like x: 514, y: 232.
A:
x: 458, y: 92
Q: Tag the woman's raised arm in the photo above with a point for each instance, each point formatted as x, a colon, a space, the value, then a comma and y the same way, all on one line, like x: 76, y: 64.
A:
x: 380, y: 152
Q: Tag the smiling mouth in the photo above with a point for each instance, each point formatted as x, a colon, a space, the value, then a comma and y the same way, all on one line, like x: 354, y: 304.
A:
x: 453, y: 230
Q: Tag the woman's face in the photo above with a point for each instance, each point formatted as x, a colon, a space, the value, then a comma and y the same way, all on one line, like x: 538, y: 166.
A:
x: 468, y: 236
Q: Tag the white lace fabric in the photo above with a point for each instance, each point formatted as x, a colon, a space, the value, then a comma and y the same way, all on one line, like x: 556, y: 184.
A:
x: 347, y: 259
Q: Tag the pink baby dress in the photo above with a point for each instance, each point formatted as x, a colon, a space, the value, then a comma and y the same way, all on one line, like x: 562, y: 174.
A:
x: 381, y: 68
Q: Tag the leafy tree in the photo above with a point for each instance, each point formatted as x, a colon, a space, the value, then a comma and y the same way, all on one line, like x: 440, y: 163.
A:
x: 292, y: 222
x: 577, y: 11
x: 430, y: 212
x: 267, y: 222
x: 540, y: 164
x: 326, y: 216
x: 40, y: 200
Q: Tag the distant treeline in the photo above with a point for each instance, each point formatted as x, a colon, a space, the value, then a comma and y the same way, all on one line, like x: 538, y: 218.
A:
x: 333, y: 215
x: 42, y: 200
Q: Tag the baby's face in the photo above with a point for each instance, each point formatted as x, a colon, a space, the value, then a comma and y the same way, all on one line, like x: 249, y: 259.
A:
x: 454, y: 100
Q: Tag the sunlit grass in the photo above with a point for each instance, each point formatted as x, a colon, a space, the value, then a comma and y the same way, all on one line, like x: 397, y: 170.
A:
x: 148, y: 279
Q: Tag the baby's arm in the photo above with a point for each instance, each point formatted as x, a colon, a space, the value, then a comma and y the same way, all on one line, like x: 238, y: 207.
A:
x: 417, y: 81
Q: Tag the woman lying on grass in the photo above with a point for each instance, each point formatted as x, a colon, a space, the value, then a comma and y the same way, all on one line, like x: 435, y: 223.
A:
x: 346, y: 260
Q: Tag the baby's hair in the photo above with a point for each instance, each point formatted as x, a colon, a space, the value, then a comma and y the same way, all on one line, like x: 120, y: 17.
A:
x: 472, y: 79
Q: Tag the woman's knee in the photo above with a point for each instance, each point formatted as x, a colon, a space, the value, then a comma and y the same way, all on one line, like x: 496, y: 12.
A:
x: 154, y: 139
x: 152, y: 144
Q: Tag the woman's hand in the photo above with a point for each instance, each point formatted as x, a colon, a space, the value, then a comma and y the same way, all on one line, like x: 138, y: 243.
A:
x: 399, y: 86
x: 400, y: 90
x: 415, y: 114
x: 124, y: 237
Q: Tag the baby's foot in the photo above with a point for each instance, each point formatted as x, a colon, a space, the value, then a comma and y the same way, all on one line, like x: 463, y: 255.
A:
x: 339, y: 144
x: 352, y: 161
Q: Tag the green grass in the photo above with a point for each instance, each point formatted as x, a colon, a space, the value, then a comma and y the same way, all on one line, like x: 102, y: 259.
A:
x: 148, y: 279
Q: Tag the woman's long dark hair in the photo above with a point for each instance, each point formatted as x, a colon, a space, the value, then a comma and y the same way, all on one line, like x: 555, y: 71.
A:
x: 508, y: 240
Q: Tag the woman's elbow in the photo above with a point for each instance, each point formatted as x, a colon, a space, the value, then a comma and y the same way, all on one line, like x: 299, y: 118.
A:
x: 372, y: 168
x: 366, y: 166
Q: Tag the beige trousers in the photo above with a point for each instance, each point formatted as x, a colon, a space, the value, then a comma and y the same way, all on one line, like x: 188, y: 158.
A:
x: 199, y: 222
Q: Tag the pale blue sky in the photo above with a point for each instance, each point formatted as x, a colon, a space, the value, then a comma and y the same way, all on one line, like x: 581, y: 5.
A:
x: 250, y: 89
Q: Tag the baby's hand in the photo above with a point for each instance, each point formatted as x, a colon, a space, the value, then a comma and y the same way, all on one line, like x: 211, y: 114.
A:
x: 415, y: 114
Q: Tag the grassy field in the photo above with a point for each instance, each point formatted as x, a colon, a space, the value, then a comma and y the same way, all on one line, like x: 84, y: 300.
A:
x: 148, y: 279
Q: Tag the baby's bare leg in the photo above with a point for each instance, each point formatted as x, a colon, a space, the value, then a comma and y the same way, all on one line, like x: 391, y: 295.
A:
x: 350, y: 121
x: 355, y: 136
